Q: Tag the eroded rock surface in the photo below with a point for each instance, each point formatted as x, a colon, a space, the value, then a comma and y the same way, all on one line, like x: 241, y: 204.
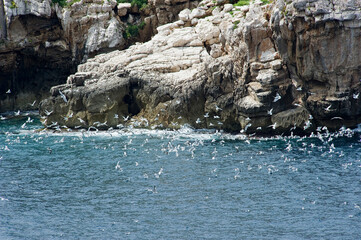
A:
x: 272, y: 68
x: 46, y: 42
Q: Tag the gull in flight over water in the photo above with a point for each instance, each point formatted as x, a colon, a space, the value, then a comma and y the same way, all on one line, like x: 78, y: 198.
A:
x: 307, y: 125
x: 273, y: 125
x: 32, y: 104
x: 270, y: 111
x: 335, y: 118
x: 47, y: 112
x: 277, y: 97
x: 62, y: 95
x: 328, y: 108
x: 81, y: 120
x: 247, y: 126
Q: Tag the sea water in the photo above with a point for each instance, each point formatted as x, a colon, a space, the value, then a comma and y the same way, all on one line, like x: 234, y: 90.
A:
x: 187, y: 184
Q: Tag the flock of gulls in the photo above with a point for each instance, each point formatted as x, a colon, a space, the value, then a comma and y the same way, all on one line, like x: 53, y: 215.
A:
x: 321, y: 140
x: 135, y: 123
x: 190, y: 143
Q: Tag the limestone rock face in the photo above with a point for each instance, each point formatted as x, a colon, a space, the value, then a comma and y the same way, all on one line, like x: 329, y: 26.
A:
x: 318, y: 42
x: 264, y: 69
x: 35, y: 45
x: 45, y: 42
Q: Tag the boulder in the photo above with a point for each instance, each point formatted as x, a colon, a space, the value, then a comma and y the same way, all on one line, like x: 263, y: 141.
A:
x: 123, y: 9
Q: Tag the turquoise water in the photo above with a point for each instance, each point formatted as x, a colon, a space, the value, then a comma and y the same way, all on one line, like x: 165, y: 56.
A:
x: 148, y: 184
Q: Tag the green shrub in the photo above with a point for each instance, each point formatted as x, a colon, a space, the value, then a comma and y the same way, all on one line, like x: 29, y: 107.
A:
x: 235, y: 24
x: 133, y: 30
x: 72, y: 2
x: 241, y: 3
x: 62, y: 3
x: 13, y: 5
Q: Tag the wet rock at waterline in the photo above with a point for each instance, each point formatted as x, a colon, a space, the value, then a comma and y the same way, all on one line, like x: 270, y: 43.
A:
x: 272, y: 68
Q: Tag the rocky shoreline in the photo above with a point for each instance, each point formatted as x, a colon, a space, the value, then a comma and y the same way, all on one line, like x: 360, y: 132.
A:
x: 263, y: 68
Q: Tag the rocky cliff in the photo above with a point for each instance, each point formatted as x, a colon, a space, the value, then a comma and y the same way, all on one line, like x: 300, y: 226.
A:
x: 45, y: 42
x: 288, y: 66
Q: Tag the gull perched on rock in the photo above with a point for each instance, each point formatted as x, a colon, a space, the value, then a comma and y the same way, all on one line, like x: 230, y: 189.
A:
x: 355, y: 96
x: 8, y: 91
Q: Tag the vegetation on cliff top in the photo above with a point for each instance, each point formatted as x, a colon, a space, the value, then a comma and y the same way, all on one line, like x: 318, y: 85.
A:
x: 241, y: 3
x: 64, y: 3
x: 140, y: 3
x: 247, y: 2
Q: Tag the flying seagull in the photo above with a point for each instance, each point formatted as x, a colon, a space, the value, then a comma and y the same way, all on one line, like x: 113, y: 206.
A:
x: 62, y: 95
x: 277, y: 97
